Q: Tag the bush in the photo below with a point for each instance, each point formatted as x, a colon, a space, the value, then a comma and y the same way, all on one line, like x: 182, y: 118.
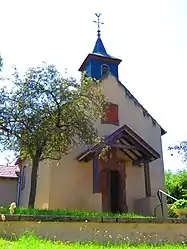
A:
x: 171, y: 213
x: 180, y: 204
x: 176, y: 184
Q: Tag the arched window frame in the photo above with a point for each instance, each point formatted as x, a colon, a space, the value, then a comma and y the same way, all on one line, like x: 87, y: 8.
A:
x: 104, y: 65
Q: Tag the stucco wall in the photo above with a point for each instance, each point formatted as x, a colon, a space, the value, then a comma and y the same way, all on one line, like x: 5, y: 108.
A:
x: 135, y: 185
x: 125, y: 232
x: 63, y: 184
x: 72, y: 185
x: 43, y: 185
x: 8, y: 191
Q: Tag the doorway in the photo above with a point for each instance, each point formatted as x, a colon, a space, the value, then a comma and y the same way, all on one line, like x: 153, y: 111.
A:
x: 115, y: 191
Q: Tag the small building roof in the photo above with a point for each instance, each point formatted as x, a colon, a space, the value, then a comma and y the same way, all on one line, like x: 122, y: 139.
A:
x: 9, y: 171
x: 125, y: 139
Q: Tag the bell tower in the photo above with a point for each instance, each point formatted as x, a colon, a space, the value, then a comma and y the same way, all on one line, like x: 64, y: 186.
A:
x: 99, y: 63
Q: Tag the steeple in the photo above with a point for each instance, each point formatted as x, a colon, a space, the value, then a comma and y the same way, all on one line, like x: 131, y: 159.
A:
x: 99, y: 62
x: 99, y: 47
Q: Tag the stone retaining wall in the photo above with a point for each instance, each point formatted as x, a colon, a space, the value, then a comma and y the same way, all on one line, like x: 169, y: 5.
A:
x: 116, y: 230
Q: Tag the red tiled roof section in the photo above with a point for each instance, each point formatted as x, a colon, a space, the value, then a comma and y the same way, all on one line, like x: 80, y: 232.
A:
x: 8, y: 171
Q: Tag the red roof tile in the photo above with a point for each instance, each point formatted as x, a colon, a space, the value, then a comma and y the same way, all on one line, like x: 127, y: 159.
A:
x: 8, y: 171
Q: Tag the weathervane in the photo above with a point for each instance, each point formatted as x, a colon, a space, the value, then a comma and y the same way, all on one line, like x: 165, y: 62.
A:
x: 98, y: 23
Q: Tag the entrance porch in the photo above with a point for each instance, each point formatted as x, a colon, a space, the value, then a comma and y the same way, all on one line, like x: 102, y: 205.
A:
x: 112, y: 171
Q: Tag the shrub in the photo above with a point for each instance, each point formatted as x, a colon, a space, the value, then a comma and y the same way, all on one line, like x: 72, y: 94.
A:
x: 180, y: 204
x: 171, y: 213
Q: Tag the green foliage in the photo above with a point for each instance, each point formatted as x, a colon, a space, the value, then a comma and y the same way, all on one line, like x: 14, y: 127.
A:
x: 171, y: 212
x: 45, y: 115
x: 176, y: 184
x: 48, y: 112
x: 30, y: 240
x: 66, y: 212
x: 180, y: 204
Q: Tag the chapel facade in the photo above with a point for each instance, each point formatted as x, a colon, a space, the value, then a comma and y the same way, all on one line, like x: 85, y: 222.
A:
x: 128, y: 181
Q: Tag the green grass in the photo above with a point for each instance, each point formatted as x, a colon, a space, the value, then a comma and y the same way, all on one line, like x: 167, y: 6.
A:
x: 66, y: 212
x: 32, y: 242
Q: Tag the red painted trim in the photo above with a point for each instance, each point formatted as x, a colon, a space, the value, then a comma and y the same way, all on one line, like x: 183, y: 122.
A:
x: 111, y: 114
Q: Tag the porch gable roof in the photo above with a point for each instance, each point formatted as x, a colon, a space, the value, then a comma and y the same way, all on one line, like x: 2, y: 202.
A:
x: 125, y: 139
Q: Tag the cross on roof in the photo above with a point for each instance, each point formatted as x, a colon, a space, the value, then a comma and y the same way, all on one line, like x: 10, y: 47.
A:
x: 98, y: 23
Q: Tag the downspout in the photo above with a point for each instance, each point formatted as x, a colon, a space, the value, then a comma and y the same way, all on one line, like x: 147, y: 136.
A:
x: 18, y: 189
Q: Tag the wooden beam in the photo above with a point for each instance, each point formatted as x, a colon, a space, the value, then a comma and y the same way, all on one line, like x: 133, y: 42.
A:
x: 134, y: 152
x: 95, y: 174
x: 127, y: 154
x: 122, y: 146
x: 139, y: 162
x: 147, y: 179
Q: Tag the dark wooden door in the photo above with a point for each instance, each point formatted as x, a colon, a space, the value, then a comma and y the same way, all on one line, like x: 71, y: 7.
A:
x: 105, y: 189
x: 115, y: 193
x: 113, y: 185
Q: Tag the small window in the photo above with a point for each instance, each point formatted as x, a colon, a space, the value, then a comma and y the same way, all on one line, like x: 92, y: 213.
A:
x: 111, y: 115
x: 105, y: 69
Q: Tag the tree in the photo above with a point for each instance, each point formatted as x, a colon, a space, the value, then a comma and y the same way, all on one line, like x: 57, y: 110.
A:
x: 176, y: 184
x: 1, y: 63
x: 44, y: 115
x: 180, y: 149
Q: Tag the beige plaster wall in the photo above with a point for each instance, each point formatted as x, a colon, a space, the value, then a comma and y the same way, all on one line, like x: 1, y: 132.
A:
x: 63, y: 184
x: 43, y: 185
x: 135, y: 185
x: 8, y: 191
x: 72, y: 185
x: 102, y: 232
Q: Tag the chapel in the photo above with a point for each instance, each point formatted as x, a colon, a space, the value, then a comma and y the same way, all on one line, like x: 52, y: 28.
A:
x: 129, y: 180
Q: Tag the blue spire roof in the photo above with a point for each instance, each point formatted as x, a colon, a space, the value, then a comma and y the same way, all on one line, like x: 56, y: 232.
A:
x: 99, y: 47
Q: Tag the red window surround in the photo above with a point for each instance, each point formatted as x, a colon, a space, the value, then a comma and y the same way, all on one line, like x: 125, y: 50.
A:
x: 111, y: 115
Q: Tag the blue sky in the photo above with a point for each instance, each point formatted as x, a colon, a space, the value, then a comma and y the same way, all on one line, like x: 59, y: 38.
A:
x: 149, y: 36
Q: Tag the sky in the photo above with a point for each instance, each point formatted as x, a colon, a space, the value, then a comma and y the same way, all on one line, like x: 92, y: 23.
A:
x: 150, y: 36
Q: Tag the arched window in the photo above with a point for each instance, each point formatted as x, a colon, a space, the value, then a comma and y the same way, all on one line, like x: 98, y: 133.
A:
x: 105, y: 69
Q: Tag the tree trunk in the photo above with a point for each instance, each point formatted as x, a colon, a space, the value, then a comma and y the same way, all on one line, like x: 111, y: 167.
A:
x: 32, y: 196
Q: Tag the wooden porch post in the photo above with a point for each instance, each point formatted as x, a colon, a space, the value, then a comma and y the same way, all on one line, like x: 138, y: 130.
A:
x: 147, y: 179
x: 96, y: 174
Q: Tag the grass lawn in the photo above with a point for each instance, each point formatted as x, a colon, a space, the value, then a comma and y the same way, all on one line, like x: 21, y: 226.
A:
x: 65, y: 212
x: 32, y: 242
